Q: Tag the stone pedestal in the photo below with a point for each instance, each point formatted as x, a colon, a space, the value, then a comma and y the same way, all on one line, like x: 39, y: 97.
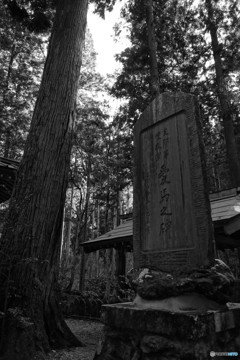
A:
x: 134, y: 332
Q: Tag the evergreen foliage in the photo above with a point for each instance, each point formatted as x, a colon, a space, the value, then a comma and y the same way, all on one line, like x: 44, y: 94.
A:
x: 185, y: 63
x: 22, y: 58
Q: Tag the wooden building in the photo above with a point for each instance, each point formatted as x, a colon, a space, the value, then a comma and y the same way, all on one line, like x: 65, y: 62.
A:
x: 225, y: 211
x: 225, y: 207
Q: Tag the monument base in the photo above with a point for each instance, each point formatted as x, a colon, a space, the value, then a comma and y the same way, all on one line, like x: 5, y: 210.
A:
x: 169, y: 330
x: 216, y: 282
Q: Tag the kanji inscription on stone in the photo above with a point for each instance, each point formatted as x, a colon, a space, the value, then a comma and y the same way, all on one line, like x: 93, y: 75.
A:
x: 172, y: 221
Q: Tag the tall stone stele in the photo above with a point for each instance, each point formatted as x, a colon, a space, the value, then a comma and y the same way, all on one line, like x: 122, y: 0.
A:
x: 183, y: 315
x: 172, y: 228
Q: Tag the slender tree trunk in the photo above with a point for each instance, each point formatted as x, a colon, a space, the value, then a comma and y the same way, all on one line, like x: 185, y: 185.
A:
x: 120, y: 259
x: 76, y: 247
x: 98, y: 219
x: 107, y: 209
x: 82, y: 269
x: 108, y: 273
x: 93, y: 221
x: 62, y: 237
x: 69, y: 229
x: 82, y: 254
x: 118, y: 191
x: 31, y: 238
x: 227, y: 115
x: 108, y: 193
x: 89, y: 166
x: 152, y: 46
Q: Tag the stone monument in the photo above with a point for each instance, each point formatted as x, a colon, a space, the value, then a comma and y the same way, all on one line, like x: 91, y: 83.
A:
x: 172, y: 227
x: 181, y: 310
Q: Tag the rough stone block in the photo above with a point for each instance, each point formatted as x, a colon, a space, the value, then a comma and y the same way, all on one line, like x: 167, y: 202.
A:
x: 155, y: 343
x: 150, y: 334
x: 172, y: 227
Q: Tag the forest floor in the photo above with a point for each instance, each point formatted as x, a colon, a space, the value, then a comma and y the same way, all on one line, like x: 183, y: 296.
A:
x: 89, y: 332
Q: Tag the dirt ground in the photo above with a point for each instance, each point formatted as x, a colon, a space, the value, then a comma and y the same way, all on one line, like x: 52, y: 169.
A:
x: 89, y: 333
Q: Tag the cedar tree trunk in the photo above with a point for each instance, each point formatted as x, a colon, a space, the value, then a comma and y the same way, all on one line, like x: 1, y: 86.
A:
x: 30, y: 244
x: 227, y: 117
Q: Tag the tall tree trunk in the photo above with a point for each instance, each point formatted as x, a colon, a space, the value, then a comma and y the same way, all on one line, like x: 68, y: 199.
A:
x: 227, y: 115
x: 107, y: 208
x: 82, y: 254
x: 118, y: 182
x: 82, y: 269
x: 30, y: 244
x: 106, y: 225
x: 120, y: 259
x: 152, y: 46
x: 75, y: 258
x: 62, y: 238
x: 98, y: 219
x: 69, y: 229
x: 93, y: 221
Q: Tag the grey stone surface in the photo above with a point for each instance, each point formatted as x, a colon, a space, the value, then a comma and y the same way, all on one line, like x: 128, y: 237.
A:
x: 132, y: 333
x: 215, y: 282
x: 172, y: 227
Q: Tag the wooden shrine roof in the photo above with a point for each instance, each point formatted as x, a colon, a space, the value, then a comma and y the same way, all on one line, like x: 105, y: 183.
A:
x: 8, y: 170
x: 225, y: 204
x: 225, y: 211
x: 122, y: 234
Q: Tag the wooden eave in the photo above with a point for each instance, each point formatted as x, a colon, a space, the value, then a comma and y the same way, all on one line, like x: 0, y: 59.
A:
x: 121, y: 236
x: 225, y: 212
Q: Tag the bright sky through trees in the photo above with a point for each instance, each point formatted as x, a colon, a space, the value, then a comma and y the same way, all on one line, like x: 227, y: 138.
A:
x: 103, y: 37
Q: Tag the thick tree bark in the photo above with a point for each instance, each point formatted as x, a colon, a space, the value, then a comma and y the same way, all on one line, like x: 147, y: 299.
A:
x: 227, y: 116
x: 31, y: 238
x: 152, y: 46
